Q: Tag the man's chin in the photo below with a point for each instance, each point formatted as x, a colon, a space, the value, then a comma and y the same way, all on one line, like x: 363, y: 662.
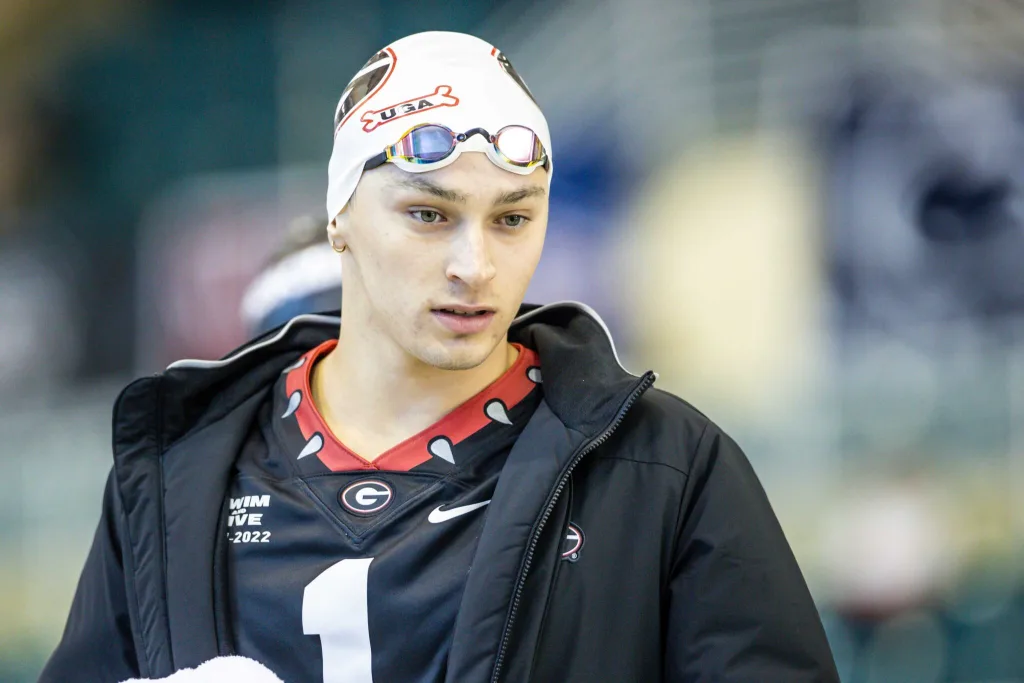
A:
x: 460, y: 361
x: 459, y: 354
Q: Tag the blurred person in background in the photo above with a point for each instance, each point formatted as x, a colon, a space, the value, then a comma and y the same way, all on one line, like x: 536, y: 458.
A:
x: 40, y: 321
x: 303, y: 277
x: 941, y: 241
x: 446, y: 484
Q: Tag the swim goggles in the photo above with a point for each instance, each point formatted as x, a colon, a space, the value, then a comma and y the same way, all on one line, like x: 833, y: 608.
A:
x: 429, y: 146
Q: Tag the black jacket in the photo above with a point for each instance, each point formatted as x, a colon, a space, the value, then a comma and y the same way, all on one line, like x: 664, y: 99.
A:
x: 685, y: 574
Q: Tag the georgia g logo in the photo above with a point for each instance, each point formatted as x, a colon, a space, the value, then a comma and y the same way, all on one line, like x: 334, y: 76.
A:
x: 573, y: 542
x: 366, y: 497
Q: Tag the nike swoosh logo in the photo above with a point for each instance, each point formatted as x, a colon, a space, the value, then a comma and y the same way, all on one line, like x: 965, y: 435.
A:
x: 437, y: 515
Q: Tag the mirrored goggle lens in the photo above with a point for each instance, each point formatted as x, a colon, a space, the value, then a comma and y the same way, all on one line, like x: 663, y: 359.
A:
x: 425, y: 144
x: 520, y: 146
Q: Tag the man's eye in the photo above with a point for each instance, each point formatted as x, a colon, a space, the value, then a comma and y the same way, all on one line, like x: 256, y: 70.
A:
x: 427, y: 216
x: 514, y: 221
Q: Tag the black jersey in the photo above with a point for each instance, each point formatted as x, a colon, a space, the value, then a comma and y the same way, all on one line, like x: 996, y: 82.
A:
x: 347, y: 571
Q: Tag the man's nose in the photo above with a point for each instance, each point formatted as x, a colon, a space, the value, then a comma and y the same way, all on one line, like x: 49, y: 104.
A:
x: 471, y: 260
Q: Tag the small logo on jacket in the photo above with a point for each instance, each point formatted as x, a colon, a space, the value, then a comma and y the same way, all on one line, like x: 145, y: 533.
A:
x: 366, y: 497
x: 573, y: 542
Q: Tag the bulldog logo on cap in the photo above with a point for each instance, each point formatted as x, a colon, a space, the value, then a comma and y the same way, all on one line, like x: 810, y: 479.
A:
x: 371, y: 78
x: 511, y: 71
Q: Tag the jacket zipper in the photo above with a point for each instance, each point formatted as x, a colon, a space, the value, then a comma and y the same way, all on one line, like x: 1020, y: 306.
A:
x: 645, y: 383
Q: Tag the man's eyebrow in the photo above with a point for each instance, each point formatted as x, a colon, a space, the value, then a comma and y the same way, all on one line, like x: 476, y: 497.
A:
x: 424, y: 185
x: 519, y: 195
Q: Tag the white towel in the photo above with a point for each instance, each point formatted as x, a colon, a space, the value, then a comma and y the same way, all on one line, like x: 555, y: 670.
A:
x: 219, y: 670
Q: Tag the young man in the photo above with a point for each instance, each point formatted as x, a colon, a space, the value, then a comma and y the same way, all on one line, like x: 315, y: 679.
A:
x: 454, y: 488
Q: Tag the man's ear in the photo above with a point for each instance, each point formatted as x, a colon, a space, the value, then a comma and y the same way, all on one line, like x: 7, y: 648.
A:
x: 337, y: 229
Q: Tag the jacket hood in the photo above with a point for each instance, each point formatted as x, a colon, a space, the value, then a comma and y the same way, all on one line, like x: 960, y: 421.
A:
x: 584, y: 380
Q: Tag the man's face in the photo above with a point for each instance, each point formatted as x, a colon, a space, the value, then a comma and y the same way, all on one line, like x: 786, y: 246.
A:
x: 425, y: 249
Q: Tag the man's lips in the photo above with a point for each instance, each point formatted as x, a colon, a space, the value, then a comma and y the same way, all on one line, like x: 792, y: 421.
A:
x: 462, y: 309
x: 462, y: 319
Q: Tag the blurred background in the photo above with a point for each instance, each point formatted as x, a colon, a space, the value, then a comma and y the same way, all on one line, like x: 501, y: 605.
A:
x: 807, y: 215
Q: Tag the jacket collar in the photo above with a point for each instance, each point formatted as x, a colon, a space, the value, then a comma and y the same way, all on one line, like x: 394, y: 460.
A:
x: 584, y: 380
x: 582, y: 374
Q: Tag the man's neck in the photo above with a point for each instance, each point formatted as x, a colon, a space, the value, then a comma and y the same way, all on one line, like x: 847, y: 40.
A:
x: 374, y: 405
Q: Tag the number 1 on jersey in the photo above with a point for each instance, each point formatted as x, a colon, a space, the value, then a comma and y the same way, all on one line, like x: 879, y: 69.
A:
x: 334, y: 607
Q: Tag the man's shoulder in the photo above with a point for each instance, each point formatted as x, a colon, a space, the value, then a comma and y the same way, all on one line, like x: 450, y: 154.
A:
x: 191, y: 394
x: 663, y: 429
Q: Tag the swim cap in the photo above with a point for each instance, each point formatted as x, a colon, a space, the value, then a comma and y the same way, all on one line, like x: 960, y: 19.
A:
x: 453, y: 79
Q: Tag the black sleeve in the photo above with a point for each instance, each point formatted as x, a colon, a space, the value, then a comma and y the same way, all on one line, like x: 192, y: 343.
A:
x: 739, y: 609
x: 97, y: 644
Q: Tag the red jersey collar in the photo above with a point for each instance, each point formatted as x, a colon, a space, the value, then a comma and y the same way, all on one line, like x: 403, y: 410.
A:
x: 437, y: 441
